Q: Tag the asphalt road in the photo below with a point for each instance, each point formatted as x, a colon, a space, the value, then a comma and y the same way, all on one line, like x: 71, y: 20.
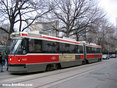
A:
x: 96, y: 75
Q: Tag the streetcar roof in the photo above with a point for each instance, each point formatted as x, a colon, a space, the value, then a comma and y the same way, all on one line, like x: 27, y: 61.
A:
x: 20, y: 35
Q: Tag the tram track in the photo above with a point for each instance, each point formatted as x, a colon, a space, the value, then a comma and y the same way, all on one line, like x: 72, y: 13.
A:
x: 63, y: 79
x: 38, y: 73
x: 45, y: 75
x: 78, y: 74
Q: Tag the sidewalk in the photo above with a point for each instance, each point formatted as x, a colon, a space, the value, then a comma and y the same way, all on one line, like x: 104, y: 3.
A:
x: 4, y: 69
x: 4, y: 73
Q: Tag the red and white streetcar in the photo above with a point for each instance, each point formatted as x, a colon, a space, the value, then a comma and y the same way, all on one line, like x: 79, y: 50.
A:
x: 31, y: 52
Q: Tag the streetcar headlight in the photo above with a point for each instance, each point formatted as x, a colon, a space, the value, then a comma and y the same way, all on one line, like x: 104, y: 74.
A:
x: 19, y: 60
x: 10, y: 59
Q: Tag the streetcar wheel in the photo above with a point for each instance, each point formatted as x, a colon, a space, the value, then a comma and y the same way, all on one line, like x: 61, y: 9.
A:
x: 48, y: 67
x: 58, y: 66
x: 87, y: 62
x: 99, y: 59
x: 83, y: 62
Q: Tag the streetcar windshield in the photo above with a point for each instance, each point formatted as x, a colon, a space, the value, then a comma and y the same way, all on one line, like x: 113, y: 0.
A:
x: 19, y: 46
x: 14, y: 45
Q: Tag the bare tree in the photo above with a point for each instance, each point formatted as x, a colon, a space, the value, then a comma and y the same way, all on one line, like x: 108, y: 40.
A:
x: 75, y: 15
x: 103, y: 33
x: 20, y: 14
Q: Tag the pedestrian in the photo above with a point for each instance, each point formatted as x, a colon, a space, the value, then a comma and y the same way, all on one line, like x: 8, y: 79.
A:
x: 1, y: 68
x: 6, y: 59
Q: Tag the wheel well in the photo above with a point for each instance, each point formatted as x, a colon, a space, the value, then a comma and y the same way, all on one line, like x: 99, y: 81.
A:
x: 53, y: 66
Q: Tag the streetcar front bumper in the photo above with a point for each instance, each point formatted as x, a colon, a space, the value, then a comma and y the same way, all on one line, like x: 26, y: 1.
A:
x: 17, y: 68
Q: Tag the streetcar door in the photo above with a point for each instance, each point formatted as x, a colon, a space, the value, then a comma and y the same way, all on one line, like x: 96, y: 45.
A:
x: 85, y: 52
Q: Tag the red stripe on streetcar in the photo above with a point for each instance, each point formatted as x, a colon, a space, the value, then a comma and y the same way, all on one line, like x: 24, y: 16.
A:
x: 59, y: 40
x: 82, y: 57
x: 24, y: 34
x: 90, y: 56
x: 33, y: 59
x: 99, y: 56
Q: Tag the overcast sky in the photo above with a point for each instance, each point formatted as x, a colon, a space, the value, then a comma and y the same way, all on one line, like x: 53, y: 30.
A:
x: 110, y: 6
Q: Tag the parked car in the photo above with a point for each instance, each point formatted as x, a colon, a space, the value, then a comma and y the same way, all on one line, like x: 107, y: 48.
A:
x: 113, y: 56
x: 105, y: 56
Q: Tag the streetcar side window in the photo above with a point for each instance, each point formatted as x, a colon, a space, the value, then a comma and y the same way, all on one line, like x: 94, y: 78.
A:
x: 38, y: 45
x: 24, y: 45
x: 65, y: 48
x: 50, y: 47
x: 43, y: 46
x: 90, y: 49
x: 31, y: 45
x: 80, y: 49
x: 69, y: 48
x: 73, y: 48
x: 35, y: 46
x: 98, y: 50
x: 93, y: 50
x: 62, y: 48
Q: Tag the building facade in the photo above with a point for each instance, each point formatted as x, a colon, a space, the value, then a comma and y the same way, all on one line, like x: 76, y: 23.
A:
x: 3, y: 37
x: 48, y: 28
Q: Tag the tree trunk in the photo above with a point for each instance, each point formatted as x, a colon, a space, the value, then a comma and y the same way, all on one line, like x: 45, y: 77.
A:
x: 11, y: 26
x: 77, y: 37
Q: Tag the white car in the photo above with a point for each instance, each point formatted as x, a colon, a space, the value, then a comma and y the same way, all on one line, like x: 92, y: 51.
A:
x: 105, y: 56
x: 113, y: 56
